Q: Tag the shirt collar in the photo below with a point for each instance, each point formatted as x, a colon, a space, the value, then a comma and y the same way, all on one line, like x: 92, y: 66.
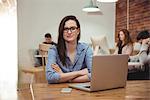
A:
x: 80, y: 48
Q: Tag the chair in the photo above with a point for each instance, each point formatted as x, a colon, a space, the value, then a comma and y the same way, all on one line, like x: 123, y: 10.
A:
x: 100, y: 45
x: 38, y: 73
x: 35, y: 73
x: 43, y: 51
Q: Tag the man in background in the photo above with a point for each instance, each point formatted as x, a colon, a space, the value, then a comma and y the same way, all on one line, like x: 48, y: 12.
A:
x: 48, y: 40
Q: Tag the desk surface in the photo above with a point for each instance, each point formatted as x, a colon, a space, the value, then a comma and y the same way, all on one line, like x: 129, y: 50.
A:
x: 40, y: 55
x: 135, y: 90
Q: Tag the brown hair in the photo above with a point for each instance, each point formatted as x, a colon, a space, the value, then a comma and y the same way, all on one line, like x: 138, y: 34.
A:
x: 127, y: 38
x: 48, y: 35
x: 61, y: 46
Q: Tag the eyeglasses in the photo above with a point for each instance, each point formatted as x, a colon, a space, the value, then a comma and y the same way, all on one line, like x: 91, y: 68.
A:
x: 72, y: 29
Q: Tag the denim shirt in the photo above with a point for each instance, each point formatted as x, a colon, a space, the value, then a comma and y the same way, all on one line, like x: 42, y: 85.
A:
x: 83, y: 59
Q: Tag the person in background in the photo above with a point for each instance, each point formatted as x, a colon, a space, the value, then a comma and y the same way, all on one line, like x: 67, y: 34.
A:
x: 124, y: 44
x: 70, y: 60
x: 141, y: 71
x: 144, y: 55
x: 48, y: 40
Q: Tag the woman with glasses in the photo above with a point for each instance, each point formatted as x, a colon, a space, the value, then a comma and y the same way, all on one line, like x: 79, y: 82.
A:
x: 70, y: 60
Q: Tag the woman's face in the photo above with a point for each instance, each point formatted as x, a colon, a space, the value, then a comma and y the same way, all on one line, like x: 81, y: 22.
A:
x: 121, y: 36
x: 71, y: 31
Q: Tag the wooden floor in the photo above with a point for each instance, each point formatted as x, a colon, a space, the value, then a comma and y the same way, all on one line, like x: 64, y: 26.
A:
x: 135, y: 90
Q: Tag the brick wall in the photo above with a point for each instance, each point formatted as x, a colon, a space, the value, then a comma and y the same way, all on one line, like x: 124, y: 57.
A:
x: 121, y: 16
x: 139, y: 16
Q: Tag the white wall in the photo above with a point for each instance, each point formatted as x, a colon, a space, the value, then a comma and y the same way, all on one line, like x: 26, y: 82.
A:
x: 36, y: 17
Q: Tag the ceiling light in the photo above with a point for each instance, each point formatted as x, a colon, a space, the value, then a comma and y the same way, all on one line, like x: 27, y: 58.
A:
x: 107, y: 0
x: 91, y: 8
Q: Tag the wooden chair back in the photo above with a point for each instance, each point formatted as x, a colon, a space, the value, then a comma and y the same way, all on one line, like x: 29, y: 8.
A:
x: 43, y: 51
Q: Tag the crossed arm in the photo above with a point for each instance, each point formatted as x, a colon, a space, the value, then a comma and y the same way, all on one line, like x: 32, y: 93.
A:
x: 76, y: 76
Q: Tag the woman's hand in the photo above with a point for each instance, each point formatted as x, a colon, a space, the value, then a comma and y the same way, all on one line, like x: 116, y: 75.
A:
x: 75, y: 76
x: 83, y: 71
x: 146, y: 41
x: 56, y: 68
x: 83, y: 78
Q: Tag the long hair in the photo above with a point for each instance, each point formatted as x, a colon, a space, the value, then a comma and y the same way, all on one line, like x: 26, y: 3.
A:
x: 61, y: 46
x: 127, y: 40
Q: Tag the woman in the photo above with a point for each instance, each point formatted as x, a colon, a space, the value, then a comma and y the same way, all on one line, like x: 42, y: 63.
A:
x: 124, y: 44
x: 70, y: 60
x: 144, y: 55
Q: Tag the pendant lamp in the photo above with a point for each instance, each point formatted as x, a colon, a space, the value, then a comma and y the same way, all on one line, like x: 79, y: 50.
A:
x: 91, y: 7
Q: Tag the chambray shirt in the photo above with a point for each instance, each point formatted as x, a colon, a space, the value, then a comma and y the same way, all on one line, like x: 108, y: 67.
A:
x: 83, y: 59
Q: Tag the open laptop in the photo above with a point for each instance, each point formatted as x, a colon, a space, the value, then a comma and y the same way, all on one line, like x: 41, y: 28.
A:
x: 108, y: 72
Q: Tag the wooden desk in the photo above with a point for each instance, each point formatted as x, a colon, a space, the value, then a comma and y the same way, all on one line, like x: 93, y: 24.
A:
x: 40, y: 56
x: 135, y: 90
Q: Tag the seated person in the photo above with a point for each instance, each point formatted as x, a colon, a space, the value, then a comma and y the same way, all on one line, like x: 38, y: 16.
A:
x: 144, y: 55
x: 70, y: 60
x: 100, y: 45
x: 48, y: 40
x: 124, y: 44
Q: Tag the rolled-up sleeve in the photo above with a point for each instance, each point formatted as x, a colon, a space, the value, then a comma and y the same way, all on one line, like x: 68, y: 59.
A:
x: 51, y: 75
x: 88, y: 60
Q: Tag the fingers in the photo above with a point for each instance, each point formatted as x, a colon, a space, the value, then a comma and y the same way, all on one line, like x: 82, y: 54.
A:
x: 56, y: 68
x: 145, y: 41
x: 84, y: 71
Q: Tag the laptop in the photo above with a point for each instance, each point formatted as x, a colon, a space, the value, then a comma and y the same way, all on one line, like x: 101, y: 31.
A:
x: 108, y: 72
